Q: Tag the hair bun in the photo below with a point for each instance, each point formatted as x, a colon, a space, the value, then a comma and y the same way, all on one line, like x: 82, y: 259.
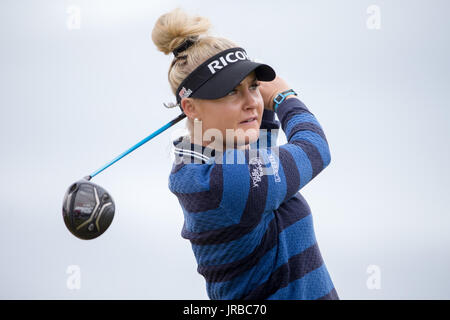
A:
x: 175, y: 29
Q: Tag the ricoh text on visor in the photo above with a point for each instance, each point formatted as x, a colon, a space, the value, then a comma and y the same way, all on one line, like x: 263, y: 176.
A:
x: 220, y: 74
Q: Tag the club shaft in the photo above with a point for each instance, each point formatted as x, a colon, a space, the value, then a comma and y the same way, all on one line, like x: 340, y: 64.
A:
x: 151, y: 136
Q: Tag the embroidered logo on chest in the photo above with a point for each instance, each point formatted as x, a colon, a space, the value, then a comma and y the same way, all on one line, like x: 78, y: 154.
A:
x: 256, y: 171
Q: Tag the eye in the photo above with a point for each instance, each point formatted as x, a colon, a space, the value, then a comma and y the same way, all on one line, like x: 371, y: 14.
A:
x: 254, y: 86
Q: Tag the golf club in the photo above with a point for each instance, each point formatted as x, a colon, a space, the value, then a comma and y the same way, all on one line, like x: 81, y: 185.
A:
x: 88, y: 209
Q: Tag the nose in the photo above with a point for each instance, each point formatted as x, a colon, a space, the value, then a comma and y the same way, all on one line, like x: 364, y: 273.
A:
x: 250, y: 99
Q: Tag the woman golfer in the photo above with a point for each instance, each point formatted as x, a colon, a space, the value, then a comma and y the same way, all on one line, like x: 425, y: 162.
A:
x: 250, y: 229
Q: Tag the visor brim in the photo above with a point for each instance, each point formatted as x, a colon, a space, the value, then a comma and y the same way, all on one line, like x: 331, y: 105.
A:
x: 226, y: 80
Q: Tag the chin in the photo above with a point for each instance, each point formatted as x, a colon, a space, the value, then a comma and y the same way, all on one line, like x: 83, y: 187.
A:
x: 244, y: 135
x: 250, y: 137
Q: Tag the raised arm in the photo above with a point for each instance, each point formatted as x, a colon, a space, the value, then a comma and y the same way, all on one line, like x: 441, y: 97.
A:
x: 264, y: 179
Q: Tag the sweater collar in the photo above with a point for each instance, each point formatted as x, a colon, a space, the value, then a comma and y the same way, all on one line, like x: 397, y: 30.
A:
x: 191, y: 152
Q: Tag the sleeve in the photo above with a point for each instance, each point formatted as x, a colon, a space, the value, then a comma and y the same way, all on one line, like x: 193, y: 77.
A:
x: 261, y: 180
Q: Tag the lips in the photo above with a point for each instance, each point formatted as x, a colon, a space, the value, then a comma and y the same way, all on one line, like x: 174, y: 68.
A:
x: 249, y: 119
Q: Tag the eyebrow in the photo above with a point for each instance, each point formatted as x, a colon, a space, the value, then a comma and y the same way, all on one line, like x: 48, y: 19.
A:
x: 255, y: 79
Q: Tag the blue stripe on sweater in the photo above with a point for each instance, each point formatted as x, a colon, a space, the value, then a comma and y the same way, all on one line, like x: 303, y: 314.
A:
x: 300, y: 118
x: 198, y: 177
x: 303, y: 163
x: 206, y: 220
x: 295, y: 239
x: 234, y: 250
x: 317, y: 141
x: 235, y: 200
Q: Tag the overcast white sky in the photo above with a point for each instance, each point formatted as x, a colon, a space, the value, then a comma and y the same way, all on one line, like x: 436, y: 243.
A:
x: 72, y: 99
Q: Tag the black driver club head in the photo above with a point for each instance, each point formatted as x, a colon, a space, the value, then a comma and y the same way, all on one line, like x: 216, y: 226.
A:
x: 88, y: 209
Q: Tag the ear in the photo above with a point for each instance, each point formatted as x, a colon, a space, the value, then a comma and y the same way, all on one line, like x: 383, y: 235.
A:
x: 189, y: 108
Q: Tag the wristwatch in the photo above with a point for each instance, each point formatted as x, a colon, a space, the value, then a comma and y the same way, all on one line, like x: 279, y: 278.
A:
x: 281, y: 97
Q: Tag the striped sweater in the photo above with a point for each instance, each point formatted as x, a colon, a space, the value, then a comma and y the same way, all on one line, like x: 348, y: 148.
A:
x: 250, y: 228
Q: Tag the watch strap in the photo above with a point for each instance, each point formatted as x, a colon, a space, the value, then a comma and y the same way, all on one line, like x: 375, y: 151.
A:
x: 281, y: 97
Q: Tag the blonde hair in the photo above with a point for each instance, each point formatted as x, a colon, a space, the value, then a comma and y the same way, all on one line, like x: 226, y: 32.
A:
x: 171, y: 30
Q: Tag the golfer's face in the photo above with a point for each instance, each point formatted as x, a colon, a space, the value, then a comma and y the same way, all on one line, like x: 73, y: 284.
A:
x: 228, y: 114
